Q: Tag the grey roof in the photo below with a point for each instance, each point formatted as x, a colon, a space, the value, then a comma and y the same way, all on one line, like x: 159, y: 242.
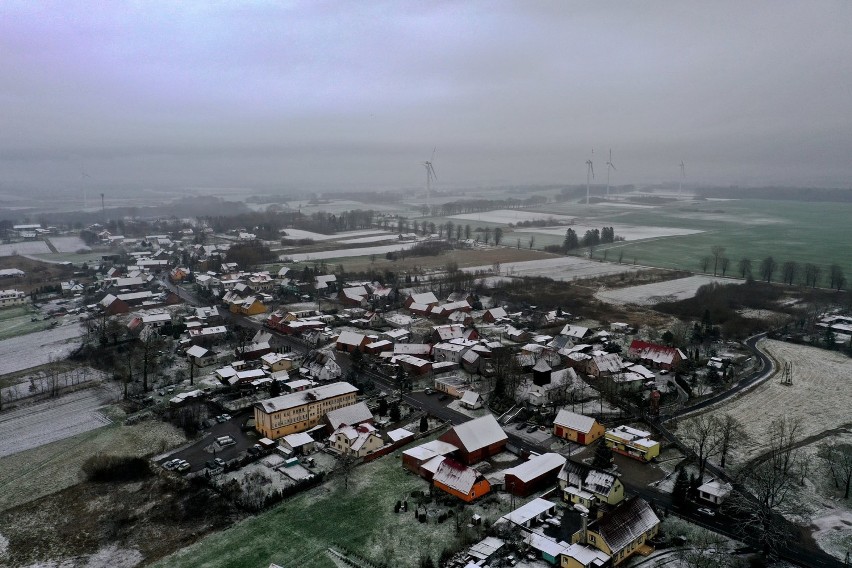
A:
x: 574, y: 421
x: 303, y: 397
x: 625, y: 524
x: 349, y: 415
x: 536, y: 466
x: 480, y: 433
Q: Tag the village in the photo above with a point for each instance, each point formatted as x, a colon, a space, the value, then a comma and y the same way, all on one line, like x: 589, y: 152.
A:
x: 594, y: 440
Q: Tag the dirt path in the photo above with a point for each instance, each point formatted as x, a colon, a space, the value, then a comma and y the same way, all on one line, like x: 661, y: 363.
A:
x: 49, y: 244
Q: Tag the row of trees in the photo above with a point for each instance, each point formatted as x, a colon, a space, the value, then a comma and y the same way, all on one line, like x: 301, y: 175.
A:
x: 790, y: 271
x: 591, y: 238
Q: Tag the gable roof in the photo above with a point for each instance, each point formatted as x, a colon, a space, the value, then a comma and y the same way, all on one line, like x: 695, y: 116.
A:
x: 574, y: 421
x: 350, y: 338
x: 349, y: 415
x: 625, y: 524
x: 304, y: 397
x: 659, y: 354
x: 578, y: 474
x: 456, y: 475
x: 424, y: 298
x: 480, y: 433
x: 536, y: 466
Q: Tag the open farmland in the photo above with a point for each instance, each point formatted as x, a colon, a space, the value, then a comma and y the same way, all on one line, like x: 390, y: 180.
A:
x: 559, y: 268
x: 54, y: 419
x: 68, y: 244
x: 360, y: 518
x: 507, y: 216
x: 25, y: 247
x: 650, y: 294
x: 628, y: 232
x: 302, y: 234
x: 33, y: 349
x: 820, y: 396
x: 346, y: 253
x: 18, y: 321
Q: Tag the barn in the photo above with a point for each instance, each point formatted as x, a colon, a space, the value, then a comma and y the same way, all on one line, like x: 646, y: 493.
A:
x: 477, y: 440
x: 534, y: 474
x: 576, y: 427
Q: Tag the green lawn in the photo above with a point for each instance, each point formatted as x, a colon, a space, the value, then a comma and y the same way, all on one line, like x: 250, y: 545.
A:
x: 17, y: 321
x: 360, y: 518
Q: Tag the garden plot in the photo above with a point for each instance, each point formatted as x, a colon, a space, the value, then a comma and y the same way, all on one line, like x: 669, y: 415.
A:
x: 560, y: 268
x: 301, y: 234
x: 507, y: 216
x: 346, y: 253
x: 628, y: 232
x: 68, y: 244
x: 25, y: 247
x: 820, y: 396
x: 55, y: 419
x: 34, y: 349
x: 668, y: 291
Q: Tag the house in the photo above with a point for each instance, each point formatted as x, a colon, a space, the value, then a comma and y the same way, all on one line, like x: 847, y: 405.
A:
x: 460, y: 480
x: 658, y: 356
x: 632, y: 442
x: 277, y: 362
x: 357, y: 440
x: 413, y: 459
x: 576, y: 427
x: 604, y: 365
x: 575, y: 332
x: 300, y: 443
x: 111, y: 305
x: 494, y: 315
x: 352, y: 415
x: 322, y: 366
x: 350, y: 341
x: 534, y: 474
x: 441, y: 333
x: 548, y: 548
x: 477, y: 439
x: 354, y: 296
x: 15, y: 298
x: 452, y: 385
x: 622, y: 532
x: 427, y: 299
x: 471, y: 400
x: 583, y: 556
x: 714, y: 491
x: 200, y: 356
x: 448, y: 352
x: 250, y: 306
x: 590, y: 487
x: 300, y: 411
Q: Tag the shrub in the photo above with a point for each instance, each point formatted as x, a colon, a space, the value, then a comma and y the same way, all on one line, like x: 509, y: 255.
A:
x: 103, y: 468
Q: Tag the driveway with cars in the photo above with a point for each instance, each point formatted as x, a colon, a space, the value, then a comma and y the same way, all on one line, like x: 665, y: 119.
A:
x: 198, y: 456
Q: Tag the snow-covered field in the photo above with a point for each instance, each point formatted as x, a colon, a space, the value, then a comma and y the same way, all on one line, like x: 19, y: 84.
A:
x: 51, y: 420
x: 561, y: 268
x: 820, y: 395
x: 68, y: 244
x: 629, y: 232
x: 346, y: 253
x: 300, y: 234
x: 511, y: 216
x: 372, y: 239
x: 33, y: 349
x: 25, y: 247
x: 668, y: 291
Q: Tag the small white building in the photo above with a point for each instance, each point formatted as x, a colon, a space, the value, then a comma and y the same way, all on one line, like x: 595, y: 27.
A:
x: 714, y: 491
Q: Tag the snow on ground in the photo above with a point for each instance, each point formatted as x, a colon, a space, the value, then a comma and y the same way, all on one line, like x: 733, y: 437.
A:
x: 110, y: 556
x: 301, y: 234
x: 25, y: 247
x: 33, y: 349
x: 511, y: 216
x: 820, y: 389
x: 668, y: 291
x: 346, y: 253
x: 560, y: 268
x: 51, y: 420
x: 68, y: 244
x: 372, y: 239
x: 629, y: 232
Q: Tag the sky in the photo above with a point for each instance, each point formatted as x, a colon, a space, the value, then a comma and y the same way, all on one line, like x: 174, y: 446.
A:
x: 355, y: 95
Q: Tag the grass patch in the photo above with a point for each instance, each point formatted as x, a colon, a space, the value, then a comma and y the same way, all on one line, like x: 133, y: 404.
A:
x: 17, y: 321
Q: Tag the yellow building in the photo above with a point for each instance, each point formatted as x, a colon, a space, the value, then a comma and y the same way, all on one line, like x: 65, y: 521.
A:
x: 632, y: 442
x: 576, y: 427
x: 249, y: 307
x: 590, y: 487
x: 302, y: 410
x: 620, y: 533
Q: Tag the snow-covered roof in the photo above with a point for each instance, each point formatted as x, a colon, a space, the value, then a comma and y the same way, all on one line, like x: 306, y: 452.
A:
x: 536, y: 466
x: 485, y: 548
x: 716, y: 488
x: 430, y: 450
x: 587, y: 556
x: 456, y: 475
x: 471, y: 397
x: 625, y: 524
x: 196, y: 351
x: 399, y: 434
x: 574, y: 421
x: 350, y: 338
x: 480, y: 433
x: 298, y: 439
x: 546, y: 544
x: 574, y: 331
x: 531, y: 510
x: 304, y: 397
x: 349, y: 415
x: 424, y: 298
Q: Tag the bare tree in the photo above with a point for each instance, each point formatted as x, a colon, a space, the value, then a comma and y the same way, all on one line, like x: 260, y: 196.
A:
x: 812, y: 273
x: 724, y: 264
x: 745, y: 267
x: 701, y: 434
x: 838, y: 460
x: 789, y: 271
x: 767, y: 268
x: 836, y: 278
x: 705, y: 263
x: 783, y: 435
x: 730, y: 429
x: 718, y: 252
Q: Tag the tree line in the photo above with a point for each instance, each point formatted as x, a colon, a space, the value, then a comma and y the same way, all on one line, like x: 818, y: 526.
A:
x: 769, y: 268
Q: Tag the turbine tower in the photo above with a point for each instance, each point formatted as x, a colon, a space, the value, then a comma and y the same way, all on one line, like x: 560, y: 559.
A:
x: 83, y: 176
x: 590, y: 171
x: 430, y: 175
x: 682, y: 176
x: 609, y: 166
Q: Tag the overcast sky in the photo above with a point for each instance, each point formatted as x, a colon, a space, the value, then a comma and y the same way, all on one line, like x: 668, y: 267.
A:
x: 356, y: 94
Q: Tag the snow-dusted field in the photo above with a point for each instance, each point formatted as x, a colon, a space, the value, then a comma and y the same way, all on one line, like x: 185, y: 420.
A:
x: 649, y: 294
x: 300, y: 234
x: 25, y: 247
x: 346, y: 253
x: 372, y: 239
x: 33, y: 349
x: 629, y: 232
x: 68, y: 244
x: 511, y: 216
x: 561, y: 268
x: 51, y: 420
x: 820, y: 395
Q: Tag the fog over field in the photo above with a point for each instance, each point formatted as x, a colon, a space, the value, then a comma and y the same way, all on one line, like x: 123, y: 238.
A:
x: 144, y: 99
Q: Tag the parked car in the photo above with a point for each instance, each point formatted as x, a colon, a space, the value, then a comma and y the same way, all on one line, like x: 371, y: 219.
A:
x: 532, y: 429
x: 444, y: 397
x: 183, y: 466
x: 171, y: 464
x: 706, y: 511
x: 521, y: 426
x: 219, y: 461
x: 428, y: 391
x: 226, y: 417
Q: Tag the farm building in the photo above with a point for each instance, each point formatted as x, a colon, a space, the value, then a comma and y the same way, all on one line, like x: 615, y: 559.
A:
x: 534, y: 474
x: 350, y: 341
x: 576, y: 427
x: 477, y: 440
x: 623, y: 531
x: 427, y: 299
x: 414, y: 458
x: 300, y: 411
x: 494, y: 315
x: 632, y: 442
x: 587, y: 486
x: 460, y: 480
x: 654, y: 355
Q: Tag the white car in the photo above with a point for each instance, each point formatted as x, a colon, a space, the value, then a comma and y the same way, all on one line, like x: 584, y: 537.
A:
x: 183, y: 466
x: 706, y: 511
x: 171, y: 464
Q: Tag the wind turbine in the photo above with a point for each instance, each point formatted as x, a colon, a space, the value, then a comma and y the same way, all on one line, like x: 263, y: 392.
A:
x: 609, y: 166
x: 590, y: 171
x: 83, y: 176
x: 682, y: 176
x: 430, y: 175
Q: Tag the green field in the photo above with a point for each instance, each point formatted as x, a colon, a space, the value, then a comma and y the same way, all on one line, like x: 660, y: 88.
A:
x: 360, y: 518
x: 17, y: 321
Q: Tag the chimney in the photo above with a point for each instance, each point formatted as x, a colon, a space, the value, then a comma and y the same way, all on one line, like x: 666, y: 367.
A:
x: 585, y: 517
